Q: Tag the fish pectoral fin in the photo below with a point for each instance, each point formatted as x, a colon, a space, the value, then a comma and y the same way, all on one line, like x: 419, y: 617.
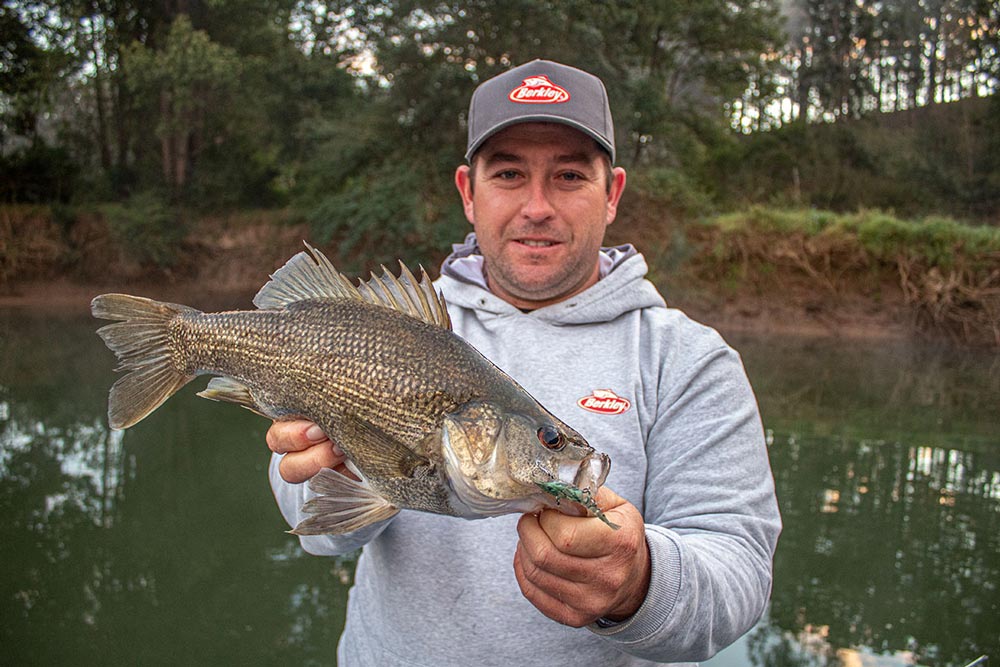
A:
x: 379, y: 454
x: 342, y: 505
x: 228, y: 390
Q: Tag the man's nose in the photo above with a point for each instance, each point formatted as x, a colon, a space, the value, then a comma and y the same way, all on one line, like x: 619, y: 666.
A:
x: 537, y: 204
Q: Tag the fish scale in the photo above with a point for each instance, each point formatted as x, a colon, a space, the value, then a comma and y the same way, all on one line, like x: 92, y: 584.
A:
x: 425, y: 420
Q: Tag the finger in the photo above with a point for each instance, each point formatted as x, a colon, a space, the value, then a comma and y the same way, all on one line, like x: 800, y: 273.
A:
x: 297, y: 467
x: 550, y: 596
x: 553, y: 583
x: 543, y: 555
x: 293, y: 436
x: 607, y: 499
x: 589, y: 537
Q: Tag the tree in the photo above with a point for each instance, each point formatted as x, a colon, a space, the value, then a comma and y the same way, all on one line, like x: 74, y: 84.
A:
x: 670, y: 67
x: 850, y: 57
x: 187, y: 77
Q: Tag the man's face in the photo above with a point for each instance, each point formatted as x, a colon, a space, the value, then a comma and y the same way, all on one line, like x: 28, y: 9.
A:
x: 539, y: 205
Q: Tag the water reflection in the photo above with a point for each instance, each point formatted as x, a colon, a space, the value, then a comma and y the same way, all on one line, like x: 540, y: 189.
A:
x: 120, y: 550
x: 163, y: 545
x: 888, y: 546
x: 887, y: 464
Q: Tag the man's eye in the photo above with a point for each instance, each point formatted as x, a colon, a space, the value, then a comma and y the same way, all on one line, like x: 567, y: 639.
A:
x: 571, y: 176
x: 507, y: 174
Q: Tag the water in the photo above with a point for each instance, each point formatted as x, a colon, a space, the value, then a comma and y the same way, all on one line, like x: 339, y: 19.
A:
x: 163, y: 545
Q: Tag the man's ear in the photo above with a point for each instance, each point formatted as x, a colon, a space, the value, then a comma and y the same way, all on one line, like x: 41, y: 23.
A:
x: 618, y: 179
x: 463, y: 181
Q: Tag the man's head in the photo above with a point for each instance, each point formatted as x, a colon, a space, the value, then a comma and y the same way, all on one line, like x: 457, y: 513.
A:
x: 545, y: 92
x: 540, y: 190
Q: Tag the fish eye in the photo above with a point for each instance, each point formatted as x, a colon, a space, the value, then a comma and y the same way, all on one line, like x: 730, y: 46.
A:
x: 549, y: 436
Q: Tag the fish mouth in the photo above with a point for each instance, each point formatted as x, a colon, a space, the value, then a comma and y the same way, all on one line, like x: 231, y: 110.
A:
x: 591, y: 473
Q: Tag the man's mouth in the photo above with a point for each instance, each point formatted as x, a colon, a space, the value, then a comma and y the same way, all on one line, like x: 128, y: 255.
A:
x: 535, y: 243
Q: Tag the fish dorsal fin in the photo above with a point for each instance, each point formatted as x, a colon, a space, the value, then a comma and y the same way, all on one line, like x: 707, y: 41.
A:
x: 310, y: 275
x: 307, y: 275
x: 406, y: 294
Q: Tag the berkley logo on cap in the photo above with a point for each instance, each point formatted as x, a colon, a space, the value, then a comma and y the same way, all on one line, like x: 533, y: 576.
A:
x: 538, y: 90
x: 604, y: 402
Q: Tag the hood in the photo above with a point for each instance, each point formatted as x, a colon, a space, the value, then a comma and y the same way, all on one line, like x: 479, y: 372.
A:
x: 622, y: 287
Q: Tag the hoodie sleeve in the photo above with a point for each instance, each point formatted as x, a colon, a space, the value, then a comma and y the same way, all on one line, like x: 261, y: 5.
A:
x: 711, y: 515
x: 291, y: 498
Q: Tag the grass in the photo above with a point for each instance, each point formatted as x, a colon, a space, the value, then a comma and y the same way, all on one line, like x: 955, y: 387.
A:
x: 938, y: 241
x: 948, y: 271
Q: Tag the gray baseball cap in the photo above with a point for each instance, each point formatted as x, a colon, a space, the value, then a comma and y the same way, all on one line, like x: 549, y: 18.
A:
x: 541, y: 91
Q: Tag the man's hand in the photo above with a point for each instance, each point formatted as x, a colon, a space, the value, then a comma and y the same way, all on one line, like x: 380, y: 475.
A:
x: 577, y: 569
x: 307, y: 450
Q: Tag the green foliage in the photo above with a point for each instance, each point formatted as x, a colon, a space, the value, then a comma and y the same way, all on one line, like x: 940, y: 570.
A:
x: 935, y: 241
x: 185, y: 74
x: 37, y: 173
x: 147, y: 228
x: 182, y: 82
x: 849, y: 59
x: 29, y: 72
x: 947, y: 272
x: 776, y: 220
x: 928, y: 161
x: 353, y: 113
x: 376, y: 195
x: 673, y: 189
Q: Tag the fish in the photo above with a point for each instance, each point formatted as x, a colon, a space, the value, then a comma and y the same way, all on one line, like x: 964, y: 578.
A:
x: 425, y: 421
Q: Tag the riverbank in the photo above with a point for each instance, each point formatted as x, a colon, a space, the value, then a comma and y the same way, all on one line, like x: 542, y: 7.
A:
x: 755, y: 272
x: 801, y: 315
x: 793, y: 312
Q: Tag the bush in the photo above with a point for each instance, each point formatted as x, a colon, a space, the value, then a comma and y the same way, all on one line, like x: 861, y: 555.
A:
x: 147, y: 228
x: 37, y: 174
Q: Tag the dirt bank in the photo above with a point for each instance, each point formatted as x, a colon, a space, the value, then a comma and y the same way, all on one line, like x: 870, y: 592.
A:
x: 223, y: 263
x: 796, y: 310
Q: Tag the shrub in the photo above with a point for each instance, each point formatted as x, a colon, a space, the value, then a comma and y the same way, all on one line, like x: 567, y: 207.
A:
x: 147, y: 228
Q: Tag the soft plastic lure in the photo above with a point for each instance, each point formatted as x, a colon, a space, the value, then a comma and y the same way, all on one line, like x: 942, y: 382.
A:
x: 564, y: 491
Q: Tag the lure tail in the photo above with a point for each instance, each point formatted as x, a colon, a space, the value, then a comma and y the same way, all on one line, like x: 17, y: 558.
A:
x: 141, y: 342
x: 564, y: 491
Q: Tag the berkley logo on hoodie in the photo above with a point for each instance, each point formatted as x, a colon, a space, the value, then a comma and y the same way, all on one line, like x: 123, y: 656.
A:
x: 538, y: 90
x: 604, y: 402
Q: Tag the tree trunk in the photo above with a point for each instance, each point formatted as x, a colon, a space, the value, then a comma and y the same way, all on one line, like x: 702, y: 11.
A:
x: 166, y: 140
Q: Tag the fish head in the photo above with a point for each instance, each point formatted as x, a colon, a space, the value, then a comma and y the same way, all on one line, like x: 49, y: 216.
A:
x: 497, y: 459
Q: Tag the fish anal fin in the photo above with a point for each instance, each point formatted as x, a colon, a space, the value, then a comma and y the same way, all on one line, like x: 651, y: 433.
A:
x: 228, y: 390
x: 341, y: 505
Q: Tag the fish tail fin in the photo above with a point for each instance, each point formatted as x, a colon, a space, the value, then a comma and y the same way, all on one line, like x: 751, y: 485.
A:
x: 142, y: 344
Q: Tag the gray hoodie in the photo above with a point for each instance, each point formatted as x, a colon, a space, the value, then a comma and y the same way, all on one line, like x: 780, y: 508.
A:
x: 669, y: 402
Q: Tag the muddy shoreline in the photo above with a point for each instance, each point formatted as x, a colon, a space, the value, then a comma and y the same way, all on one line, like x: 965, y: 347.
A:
x: 225, y: 263
x: 796, y: 313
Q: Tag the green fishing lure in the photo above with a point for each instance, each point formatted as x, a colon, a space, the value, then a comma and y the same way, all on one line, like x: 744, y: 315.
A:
x: 564, y: 491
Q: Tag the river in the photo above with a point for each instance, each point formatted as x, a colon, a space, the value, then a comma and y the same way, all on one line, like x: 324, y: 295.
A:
x: 163, y: 545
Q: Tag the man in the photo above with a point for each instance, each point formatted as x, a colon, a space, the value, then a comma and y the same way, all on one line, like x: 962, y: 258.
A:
x: 582, y: 330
